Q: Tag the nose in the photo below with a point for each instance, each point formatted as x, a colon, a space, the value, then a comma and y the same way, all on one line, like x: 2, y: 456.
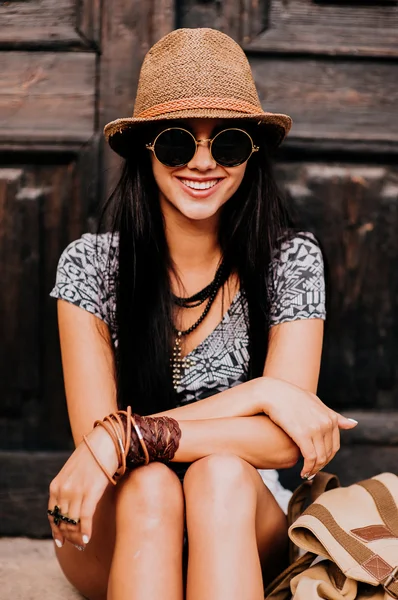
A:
x: 203, y: 160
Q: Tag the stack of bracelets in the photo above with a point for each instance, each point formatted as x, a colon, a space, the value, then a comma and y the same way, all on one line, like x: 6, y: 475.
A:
x: 138, y: 440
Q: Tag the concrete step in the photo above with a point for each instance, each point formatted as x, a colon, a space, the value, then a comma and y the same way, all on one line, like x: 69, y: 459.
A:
x: 30, y: 571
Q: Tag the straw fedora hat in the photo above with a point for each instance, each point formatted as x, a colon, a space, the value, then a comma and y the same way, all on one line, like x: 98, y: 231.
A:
x: 196, y: 73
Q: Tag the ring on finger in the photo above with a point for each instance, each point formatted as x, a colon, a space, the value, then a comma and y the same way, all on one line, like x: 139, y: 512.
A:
x: 58, y: 517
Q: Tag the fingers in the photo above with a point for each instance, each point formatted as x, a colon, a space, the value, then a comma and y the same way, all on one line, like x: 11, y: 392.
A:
x: 346, y: 423
x: 88, y: 507
x: 322, y: 446
x: 73, y: 531
x: 62, y: 530
x: 336, y: 440
x: 320, y: 450
x: 308, y: 452
x: 52, y: 503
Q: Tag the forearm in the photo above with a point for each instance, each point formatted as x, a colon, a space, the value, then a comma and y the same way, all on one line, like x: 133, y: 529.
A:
x: 239, y: 401
x: 256, y: 439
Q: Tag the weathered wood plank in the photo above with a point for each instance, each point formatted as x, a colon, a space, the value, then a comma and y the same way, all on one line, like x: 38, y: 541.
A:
x: 47, y: 96
x: 335, y: 100
x: 353, y: 209
x: 129, y: 30
x: 35, y: 228
x: 89, y: 21
x: 19, y: 309
x: 44, y: 23
x: 25, y: 478
x: 50, y: 23
x: 330, y: 28
x: 242, y: 20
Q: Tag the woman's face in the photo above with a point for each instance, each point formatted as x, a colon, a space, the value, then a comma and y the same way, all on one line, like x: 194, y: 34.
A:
x: 176, y: 184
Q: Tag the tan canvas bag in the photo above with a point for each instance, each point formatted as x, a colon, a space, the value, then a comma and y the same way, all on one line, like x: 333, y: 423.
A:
x: 356, y: 530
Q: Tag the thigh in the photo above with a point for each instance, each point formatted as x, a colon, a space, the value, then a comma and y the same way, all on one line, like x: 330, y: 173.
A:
x: 88, y: 571
x: 224, y: 478
x: 154, y: 491
x: 271, y: 531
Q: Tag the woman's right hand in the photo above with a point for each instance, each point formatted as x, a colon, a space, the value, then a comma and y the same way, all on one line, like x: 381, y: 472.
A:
x: 79, y: 486
x: 313, y: 426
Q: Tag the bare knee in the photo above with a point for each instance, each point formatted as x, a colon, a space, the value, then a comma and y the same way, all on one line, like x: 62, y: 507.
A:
x: 220, y: 483
x: 150, y: 494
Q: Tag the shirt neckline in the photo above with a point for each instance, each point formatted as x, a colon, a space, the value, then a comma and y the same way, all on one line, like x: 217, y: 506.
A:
x: 217, y: 327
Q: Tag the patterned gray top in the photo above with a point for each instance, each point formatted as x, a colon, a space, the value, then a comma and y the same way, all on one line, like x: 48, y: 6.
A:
x: 221, y: 360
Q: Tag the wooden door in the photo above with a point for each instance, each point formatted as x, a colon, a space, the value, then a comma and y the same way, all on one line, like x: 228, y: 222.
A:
x: 333, y: 66
x: 66, y: 68
x: 70, y: 66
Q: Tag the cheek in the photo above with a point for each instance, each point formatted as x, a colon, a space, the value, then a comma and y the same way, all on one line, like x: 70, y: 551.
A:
x: 161, y: 174
x: 236, y: 175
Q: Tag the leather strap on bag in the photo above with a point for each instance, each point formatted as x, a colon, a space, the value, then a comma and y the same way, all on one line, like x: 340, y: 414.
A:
x: 306, y: 493
x: 375, y: 565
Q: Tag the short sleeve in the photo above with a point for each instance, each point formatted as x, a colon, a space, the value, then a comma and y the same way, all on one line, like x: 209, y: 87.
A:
x: 298, y: 281
x: 80, y: 276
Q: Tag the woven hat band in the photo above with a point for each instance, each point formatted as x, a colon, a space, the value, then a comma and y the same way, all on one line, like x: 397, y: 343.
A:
x: 198, y: 102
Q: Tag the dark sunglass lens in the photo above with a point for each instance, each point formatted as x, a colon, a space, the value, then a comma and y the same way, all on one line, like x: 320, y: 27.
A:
x: 231, y: 148
x: 175, y: 147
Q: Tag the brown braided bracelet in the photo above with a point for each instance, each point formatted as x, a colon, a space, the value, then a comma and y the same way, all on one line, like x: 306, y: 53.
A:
x: 138, y: 440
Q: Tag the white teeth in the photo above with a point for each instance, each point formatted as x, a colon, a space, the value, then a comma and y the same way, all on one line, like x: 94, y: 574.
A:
x: 199, y: 185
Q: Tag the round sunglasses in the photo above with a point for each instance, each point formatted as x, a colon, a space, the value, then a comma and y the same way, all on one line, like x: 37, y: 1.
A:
x: 176, y: 147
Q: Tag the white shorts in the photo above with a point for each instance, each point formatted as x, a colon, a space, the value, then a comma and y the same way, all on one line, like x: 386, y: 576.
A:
x: 281, y: 494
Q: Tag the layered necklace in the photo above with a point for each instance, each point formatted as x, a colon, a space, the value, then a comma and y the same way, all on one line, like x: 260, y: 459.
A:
x: 208, y: 293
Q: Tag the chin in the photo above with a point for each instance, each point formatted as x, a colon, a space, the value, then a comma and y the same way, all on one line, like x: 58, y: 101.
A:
x: 198, y: 210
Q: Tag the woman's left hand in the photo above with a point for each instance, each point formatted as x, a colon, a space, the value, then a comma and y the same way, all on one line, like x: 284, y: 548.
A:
x: 306, y: 419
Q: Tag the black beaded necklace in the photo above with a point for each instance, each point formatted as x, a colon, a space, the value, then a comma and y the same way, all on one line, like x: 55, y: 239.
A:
x: 208, y: 293
x: 198, y: 298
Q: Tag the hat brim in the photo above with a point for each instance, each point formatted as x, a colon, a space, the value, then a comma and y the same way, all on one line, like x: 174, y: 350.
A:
x: 119, y: 133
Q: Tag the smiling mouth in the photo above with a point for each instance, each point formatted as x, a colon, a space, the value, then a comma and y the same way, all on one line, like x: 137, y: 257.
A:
x: 199, y: 185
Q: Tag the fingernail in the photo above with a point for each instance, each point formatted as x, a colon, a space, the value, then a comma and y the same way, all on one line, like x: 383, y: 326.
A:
x: 59, y: 543
x: 81, y: 548
x: 305, y: 476
x: 353, y: 421
x: 311, y: 478
x: 85, y: 539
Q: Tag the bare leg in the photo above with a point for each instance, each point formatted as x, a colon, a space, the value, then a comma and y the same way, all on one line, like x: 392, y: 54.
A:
x: 235, y: 530
x: 136, y: 547
x: 147, y: 561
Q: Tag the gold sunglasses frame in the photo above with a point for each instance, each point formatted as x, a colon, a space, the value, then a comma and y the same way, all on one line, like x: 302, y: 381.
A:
x: 198, y: 142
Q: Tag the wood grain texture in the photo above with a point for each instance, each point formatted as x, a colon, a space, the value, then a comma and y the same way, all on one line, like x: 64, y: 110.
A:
x: 47, y: 96
x: 331, y: 99
x: 25, y: 480
x: 88, y: 22
x: 330, y: 28
x: 353, y: 209
x: 19, y: 306
x: 129, y: 30
x: 43, y: 207
x: 49, y: 23
x: 243, y: 20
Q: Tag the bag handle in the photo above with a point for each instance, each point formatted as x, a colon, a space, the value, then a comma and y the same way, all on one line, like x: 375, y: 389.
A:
x: 305, y: 494
x: 308, y: 492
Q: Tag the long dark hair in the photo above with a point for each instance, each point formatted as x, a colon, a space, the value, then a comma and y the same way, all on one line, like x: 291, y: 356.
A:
x: 253, y: 224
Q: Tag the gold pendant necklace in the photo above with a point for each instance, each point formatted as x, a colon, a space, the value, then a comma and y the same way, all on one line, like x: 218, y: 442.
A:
x: 177, y: 362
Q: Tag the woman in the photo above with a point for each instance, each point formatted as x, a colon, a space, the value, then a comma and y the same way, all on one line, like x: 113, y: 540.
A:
x: 199, y: 305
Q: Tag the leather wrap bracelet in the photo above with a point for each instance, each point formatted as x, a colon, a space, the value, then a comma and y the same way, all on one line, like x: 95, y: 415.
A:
x: 138, y: 440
